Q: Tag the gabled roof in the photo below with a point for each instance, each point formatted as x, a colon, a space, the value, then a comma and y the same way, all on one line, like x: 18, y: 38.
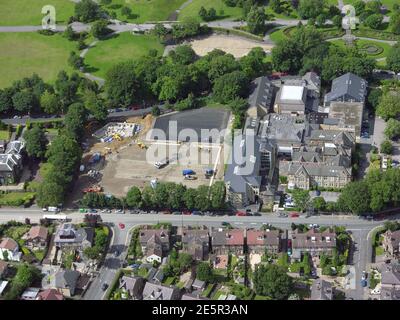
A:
x: 36, y: 232
x: 390, y: 274
x: 263, y: 238
x: 314, y: 239
x: 154, y: 291
x: 67, y: 279
x: 348, y: 84
x: 262, y: 92
x: 231, y: 237
x: 9, y: 244
x: 50, y: 294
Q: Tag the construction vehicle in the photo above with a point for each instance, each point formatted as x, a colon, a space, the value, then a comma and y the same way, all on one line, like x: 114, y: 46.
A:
x: 93, y: 189
x: 141, y: 145
x: 209, y: 173
x: 116, y: 136
x: 186, y: 172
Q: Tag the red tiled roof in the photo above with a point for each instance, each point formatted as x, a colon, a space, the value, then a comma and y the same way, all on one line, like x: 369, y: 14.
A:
x: 8, y: 244
x: 235, y: 237
x: 50, y: 294
x: 37, y: 232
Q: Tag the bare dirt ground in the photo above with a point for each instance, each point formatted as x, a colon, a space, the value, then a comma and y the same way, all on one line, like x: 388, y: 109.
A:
x: 237, y: 46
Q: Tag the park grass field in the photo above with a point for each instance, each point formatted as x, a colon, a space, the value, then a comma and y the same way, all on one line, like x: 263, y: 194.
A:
x: 145, y: 10
x: 23, y: 54
x: 223, y: 11
x: 360, y: 43
x: 29, y: 12
x: 122, y: 47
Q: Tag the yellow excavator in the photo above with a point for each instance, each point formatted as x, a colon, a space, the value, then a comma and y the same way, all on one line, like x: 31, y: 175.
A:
x: 117, y: 137
x: 141, y: 145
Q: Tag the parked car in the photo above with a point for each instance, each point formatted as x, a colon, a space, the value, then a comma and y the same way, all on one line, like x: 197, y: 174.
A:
x: 187, y: 213
x: 119, y: 211
x: 225, y: 224
x: 294, y: 215
x: 121, y: 225
x: 82, y: 210
x: 104, y: 286
x: 177, y: 212
x: 240, y: 214
x: 364, y: 283
x: 93, y: 211
x: 197, y: 213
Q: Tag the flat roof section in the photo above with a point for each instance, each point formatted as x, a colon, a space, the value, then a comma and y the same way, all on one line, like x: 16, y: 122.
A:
x: 292, y: 93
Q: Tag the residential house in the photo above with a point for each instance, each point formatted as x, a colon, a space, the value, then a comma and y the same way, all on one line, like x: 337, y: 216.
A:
x: 347, y: 88
x: 321, y: 290
x: 196, y: 242
x: 224, y: 241
x: 198, y: 285
x: 11, y: 162
x: 133, y: 285
x: 260, y: 99
x: 3, y: 269
x: 189, y: 296
x: 50, y: 294
x: 314, y: 242
x: 70, y: 282
x: 9, y: 250
x: 3, y: 145
x: 154, y: 291
x: 390, y: 281
x: 391, y: 242
x: 260, y: 241
x: 36, y: 238
x: 30, y: 294
x: 68, y: 236
x: 155, y: 243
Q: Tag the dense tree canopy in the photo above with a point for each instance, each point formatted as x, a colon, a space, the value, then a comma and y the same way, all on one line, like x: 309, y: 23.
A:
x: 272, y: 280
x: 35, y: 142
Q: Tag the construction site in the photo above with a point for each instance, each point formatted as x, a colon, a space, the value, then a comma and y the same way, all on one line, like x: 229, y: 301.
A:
x: 129, y: 159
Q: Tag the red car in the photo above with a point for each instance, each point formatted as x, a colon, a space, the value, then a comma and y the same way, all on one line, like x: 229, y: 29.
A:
x: 121, y: 225
x: 294, y: 215
x: 241, y: 214
x: 135, y: 107
x: 187, y: 213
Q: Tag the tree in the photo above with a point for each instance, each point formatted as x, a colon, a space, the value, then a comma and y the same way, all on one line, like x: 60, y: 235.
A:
x: 95, y: 105
x: 374, y: 97
x: 122, y: 86
x: 311, y: 8
x: 66, y: 88
x: 217, y: 195
x: 202, y: 12
x: 320, y: 20
x: 92, y: 252
x: 374, y: 21
x: 148, y: 198
x: 75, y: 120
x: 301, y: 198
x: 23, y: 101
x: 319, y: 203
x: 69, y: 33
x: 160, y: 31
x: 87, y: 11
x: 373, y: 6
x: 185, y: 260
x: 126, y: 11
x: 100, y: 29
x: 393, y: 58
x: 337, y: 21
x: 6, y: 99
x: 204, y: 272
x: 134, y: 197
x: 256, y: 20
x: 389, y: 106
x: 272, y: 280
x: 155, y: 111
x: 359, y: 6
x: 189, y: 198
x: 75, y: 61
x: 394, y: 23
x: 50, y: 103
x: 392, y: 129
x: 202, y: 201
x: 253, y: 64
x: 231, y: 86
x: 355, y: 197
x: 183, y: 54
x: 50, y: 194
x: 35, y: 142
x: 386, y: 147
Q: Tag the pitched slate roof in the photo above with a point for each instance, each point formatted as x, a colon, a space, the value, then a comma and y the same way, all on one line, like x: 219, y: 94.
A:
x: 348, y: 84
x: 263, y: 238
x: 67, y: 279
x: 390, y: 274
x: 227, y: 237
x: 262, y: 92
x: 314, y: 239
x: 154, y: 291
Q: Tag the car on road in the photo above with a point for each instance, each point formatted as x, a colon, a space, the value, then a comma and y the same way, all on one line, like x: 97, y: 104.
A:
x: 82, y: 210
x: 187, y: 213
x: 93, y: 211
x: 104, y: 286
x: 119, y: 211
x: 121, y: 225
x: 294, y: 215
x: 197, y: 213
x: 116, y: 253
x: 364, y: 283
x: 177, y: 212
x: 240, y: 214
x: 136, y: 211
x: 283, y: 215
x: 364, y: 275
x: 225, y: 224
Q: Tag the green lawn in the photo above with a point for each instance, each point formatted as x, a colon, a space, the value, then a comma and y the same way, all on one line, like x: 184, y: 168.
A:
x: 23, y: 54
x: 360, y: 43
x: 278, y: 35
x: 124, y: 46
x: 192, y: 10
x: 4, y: 134
x: 29, y: 12
x: 379, y: 251
x: 145, y: 10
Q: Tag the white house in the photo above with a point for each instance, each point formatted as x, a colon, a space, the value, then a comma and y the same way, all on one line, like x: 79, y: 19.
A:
x: 9, y: 250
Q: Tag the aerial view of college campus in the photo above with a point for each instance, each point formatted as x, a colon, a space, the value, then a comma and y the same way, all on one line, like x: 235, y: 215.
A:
x: 209, y: 150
